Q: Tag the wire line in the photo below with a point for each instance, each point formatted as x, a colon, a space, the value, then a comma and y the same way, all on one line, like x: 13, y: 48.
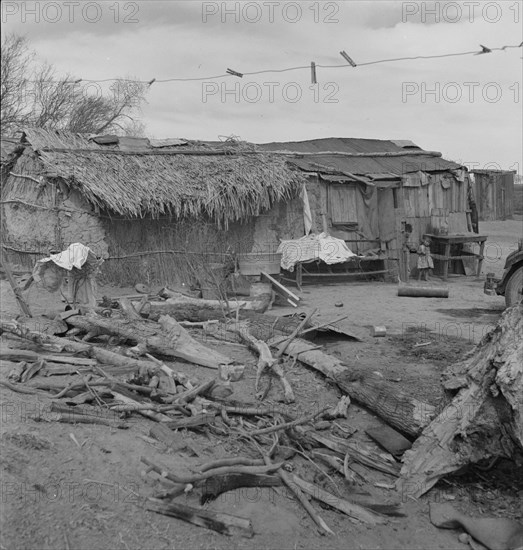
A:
x: 288, y: 69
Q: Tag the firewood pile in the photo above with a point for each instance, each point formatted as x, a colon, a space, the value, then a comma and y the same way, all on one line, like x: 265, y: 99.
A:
x: 111, y: 366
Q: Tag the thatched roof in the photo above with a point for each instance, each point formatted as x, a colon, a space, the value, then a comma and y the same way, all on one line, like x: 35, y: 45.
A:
x: 136, y: 177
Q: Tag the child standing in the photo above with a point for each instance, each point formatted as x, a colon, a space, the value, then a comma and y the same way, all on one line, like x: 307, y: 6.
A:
x: 425, y: 263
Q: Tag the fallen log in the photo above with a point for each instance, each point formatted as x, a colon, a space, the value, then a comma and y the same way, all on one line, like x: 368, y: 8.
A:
x: 187, y: 347
x: 483, y: 420
x: 308, y: 353
x: 187, y: 308
x: 224, y: 524
x: 402, y: 411
x: 170, y: 339
x: 399, y: 409
x: 423, y: 291
x: 102, y: 355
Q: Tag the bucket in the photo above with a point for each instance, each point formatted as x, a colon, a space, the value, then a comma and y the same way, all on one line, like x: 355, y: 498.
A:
x: 253, y: 263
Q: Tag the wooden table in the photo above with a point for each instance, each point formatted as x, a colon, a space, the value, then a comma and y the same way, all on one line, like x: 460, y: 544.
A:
x: 448, y: 240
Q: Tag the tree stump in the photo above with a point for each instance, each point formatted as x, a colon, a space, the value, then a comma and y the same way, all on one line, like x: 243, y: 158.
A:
x: 484, y: 418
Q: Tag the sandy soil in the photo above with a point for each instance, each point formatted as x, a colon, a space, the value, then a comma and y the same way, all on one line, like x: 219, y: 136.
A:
x: 57, y: 495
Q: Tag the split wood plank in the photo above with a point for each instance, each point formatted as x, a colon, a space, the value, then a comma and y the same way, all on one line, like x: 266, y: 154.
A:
x: 224, y: 524
x: 349, y: 508
x: 278, y: 287
x: 32, y: 356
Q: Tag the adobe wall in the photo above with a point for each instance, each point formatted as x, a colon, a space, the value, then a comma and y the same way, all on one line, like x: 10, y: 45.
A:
x: 41, y: 215
x: 24, y: 227
x: 78, y: 222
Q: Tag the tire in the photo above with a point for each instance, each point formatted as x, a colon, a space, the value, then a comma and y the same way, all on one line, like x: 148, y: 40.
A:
x: 514, y: 288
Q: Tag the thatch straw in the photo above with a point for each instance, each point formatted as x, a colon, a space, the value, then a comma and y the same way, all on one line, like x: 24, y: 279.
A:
x: 223, y: 188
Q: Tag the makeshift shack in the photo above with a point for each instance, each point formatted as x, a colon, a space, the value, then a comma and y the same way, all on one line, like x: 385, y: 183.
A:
x: 153, y: 209
x: 156, y: 209
x: 376, y: 194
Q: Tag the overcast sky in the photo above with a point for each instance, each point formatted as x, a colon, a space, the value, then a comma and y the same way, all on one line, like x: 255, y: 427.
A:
x: 467, y: 107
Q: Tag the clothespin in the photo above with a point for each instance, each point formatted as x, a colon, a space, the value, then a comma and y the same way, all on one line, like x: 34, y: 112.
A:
x: 347, y: 58
x: 313, y: 73
x: 150, y: 83
x: 484, y: 49
x: 234, y: 73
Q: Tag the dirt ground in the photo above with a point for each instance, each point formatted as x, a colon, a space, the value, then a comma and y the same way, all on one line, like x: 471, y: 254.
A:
x: 56, y: 494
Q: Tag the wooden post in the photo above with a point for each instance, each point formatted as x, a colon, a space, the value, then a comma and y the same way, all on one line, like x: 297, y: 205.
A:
x: 325, y: 225
x: 16, y: 289
x: 446, y: 261
x: 480, y: 259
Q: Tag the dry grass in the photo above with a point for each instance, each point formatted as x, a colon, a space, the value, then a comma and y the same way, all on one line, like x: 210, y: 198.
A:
x: 224, y: 188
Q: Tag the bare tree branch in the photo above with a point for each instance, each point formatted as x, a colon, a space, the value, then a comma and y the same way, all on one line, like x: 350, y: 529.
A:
x: 34, y: 95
